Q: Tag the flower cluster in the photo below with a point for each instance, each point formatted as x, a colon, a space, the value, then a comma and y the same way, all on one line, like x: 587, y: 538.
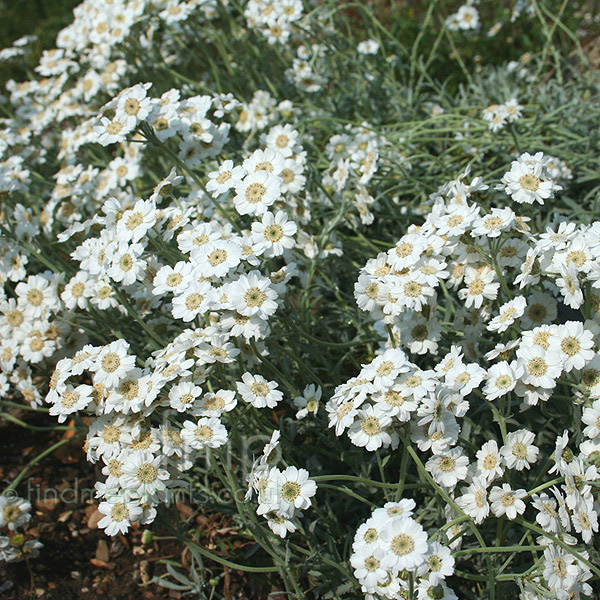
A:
x: 282, y: 495
x: 14, y: 514
x: 488, y: 274
x: 498, y: 115
x: 390, y: 545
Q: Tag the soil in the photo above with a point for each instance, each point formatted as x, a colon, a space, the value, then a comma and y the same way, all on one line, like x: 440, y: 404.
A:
x: 80, y: 561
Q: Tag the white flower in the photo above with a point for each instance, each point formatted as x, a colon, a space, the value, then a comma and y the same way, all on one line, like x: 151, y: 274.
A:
x: 574, y: 344
x: 494, y: 223
x: 479, y: 284
x: 71, y: 400
x: 183, y: 396
x: 368, y: 47
x: 474, y: 500
x: 309, y: 401
x: 216, y: 259
x: 205, y: 433
x: 279, y: 524
x: 591, y: 417
x: 448, y: 467
x: 173, y: 279
x: 501, y: 379
x: 112, y: 364
x: 143, y: 475
x: 559, y: 569
x: 133, y: 105
x: 119, y: 513
x: 14, y: 512
x: 135, y: 223
x: 226, y: 177
x: 405, y: 544
x: 439, y: 563
x: 282, y: 139
x: 289, y: 491
x: 369, y: 429
x: 192, y: 301
x: 489, y: 461
x: 367, y: 565
x: 252, y: 295
x: 256, y: 193
x: 568, y: 283
x: 519, y: 452
x: 506, y: 501
x: 126, y: 266
x: 110, y: 131
x: 216, y: 403
x: 540, y: 368
x: 274, y: 233
x: 527, y: 182
x: 509, y: 313
x: 259, y: 392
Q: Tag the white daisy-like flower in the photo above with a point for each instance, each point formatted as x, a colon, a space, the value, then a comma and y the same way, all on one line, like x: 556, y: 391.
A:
x: 540, y: 368
x: 449, y: 467
x: 519, y: 451
x: 126, y: 264
x: 289, y: 491
x: 224, y: 178
x: 259, y: 392
x: 574, y: 344
x: 405, y: 545
x: 269, y: 160
x: 569, y: 286
x: 143, y: 475
x: 591, y: 417
x: 474, y: 500
x: 494, y: 223
x: 133, y: 105
x: 509, y: 313
x: 253, y: 295
x: 14, y: 512
x: 214, y: 404
x: 560, y: 570
x: 480, y: 284
x: 119, y: 513
x: 207, y: 432
x: 395, y: 510
x: 506, y: 501
x: 256, y: 193
x: 501, y: 379
x: 547, y: 517
x: 183, y: 397
x: 439, y: 563
x: 369, y: 429
x: 527, y: 182
x: 274, y: 233
x: 217, y: 258
x: 194, y: 300
x: 72, y: 399
x: 489, y: 461
x: 282, y: 138
x: 368, y: 567
x: 173, y: 279
x: 112, y: 364
x: 279, y: 524
x: 308, y: 403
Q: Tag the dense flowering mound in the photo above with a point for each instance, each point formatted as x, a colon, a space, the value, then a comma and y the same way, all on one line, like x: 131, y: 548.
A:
x: 217, y: 217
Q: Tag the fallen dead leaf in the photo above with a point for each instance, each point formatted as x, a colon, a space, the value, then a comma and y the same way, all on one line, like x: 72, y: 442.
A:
x: 94, y: 519
x: 101, y: 563
x: 102, y: 552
